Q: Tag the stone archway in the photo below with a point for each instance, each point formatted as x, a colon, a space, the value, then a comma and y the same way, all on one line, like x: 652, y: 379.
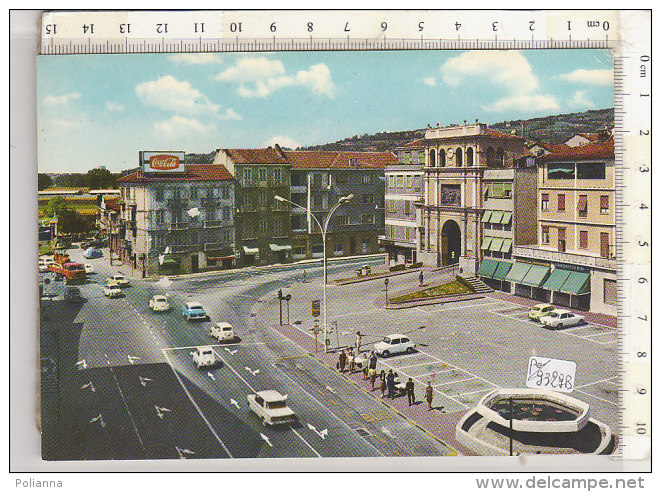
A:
x: 451, y: 242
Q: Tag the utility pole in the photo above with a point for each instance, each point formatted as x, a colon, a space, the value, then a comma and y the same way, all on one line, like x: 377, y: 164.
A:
x: 280, y: 300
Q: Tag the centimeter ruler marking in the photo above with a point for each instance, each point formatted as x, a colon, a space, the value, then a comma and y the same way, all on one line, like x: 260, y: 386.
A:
x: 147, y: 32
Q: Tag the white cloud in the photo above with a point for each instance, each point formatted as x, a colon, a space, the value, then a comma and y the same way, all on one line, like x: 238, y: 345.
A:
x: 113, y: 106
x: 60, y: 100
x: 579, y: 100
x: 196, y: 58
x: 179, y: 126
x: 168, y: 93
x: 430, y: 81
x: 230, y: 114
x: 259, y: 77
x: 592, y: 77
x: 282, y: 141
x: 524, y: 102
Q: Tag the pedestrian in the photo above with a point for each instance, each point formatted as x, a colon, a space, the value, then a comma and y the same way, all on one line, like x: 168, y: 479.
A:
x: 366, y: 364
x: 373, y: 360
x: 343, y: 360
x: 390, y: 382
x: 372, y: 373
x: 429, y: 395
x: 421, y: 277
x: 352, y: 361
x: 383, y: 384
x: 359, y: 341
x: 410, y: 391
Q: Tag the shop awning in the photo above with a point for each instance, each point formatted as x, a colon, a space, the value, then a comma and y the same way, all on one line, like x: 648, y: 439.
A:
x: 250, y: 251
x: 486, y: 216
x: 502, y: 270
x: 170, y: 262
x: 576, y: 283
x: 278, y: 247
x: 556, y: 279
x: 507, y: 217
x: 536, y: 275
x: 487, y: 268
x: 486, y: 242
x: 496, y: 244
x: 496, y: 217
x: 517, y: 272
x: 507, y: 246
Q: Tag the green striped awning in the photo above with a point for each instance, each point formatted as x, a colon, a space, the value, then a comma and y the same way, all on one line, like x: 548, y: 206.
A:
x: 507, y: 246
x: 487, y: 268
x: 556, y: 279
x: 486, y: 216
x: 577, y: 283
x: 507, y: 217
x: 536, y: 275
x: 517, y: 272
x: 496, y: 217
x: 486, y: 242
x: 502, y: 270
x: 170, y: 262
x: 496, y: 244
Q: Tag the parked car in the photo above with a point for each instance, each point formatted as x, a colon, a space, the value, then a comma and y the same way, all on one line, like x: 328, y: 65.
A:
x: 204, y: 357
x: 159, y: 303
x: 271, y: 407
x: 222, y: 331
x: 539, y: 310
x: 89, y: 268
x: 43, y: 267
x: 193, y: 310
x: 112, y: 290
x: 394, y: 344
x: 561, y: 318
x: 91, y: 253
x: 73, y: 294
x: 121, y: 280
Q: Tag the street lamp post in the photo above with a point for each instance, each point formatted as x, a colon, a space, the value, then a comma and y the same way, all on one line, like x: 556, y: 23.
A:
x: 386, y: 282
x: 323, y: 229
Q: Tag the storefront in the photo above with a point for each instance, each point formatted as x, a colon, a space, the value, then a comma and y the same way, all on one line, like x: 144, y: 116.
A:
x: 494, y: 273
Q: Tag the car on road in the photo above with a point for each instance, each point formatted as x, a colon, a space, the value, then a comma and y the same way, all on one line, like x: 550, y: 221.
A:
x: 73, y: 294
x: 193, y: 310
x: 394, y: 344
x: 112, y: 290
x: 539, y: 311
x: 159, y: 303
x: 561, y: 318
x: 271, y: 407
x: 91, y: 253
x: 223, y: 332
x: 121, y: 280
x: 43, y: 267
x: 89, y: 268
x: 204, y: 357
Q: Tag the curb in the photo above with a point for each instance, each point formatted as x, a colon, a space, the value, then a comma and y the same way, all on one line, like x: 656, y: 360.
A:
x: 377, y: 277
x: 434, y: 300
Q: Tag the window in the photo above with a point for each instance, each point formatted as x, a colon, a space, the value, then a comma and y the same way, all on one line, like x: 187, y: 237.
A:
x: 210, y: 214
x: 277, y: 228
x: 604, y: 205
x: 583, y: 239
x: 488, y: 190
x: 159, y: 194
x: 561, y: 171
x: 262, y: 174
x: 392, y: 206
x: 407, y: 233
x: 225, y: 192
x: 459, y: 157
x: 338, y: 248
x: 160, y: 216
x: 343, y: 178
x: 469, y: 156
x: 421, y: 156
x: 610, y: 292
x: 277, y: 175
x: 342, y: 220
x: 441, y: 158
x: 407, y: 157
x: 546, y: 236
x: 407, y: 207
x: 561, y: 202
x: 368, y: 198
x: 582, y: 206
x: 193, y: 236
x: 367, y: 219
x: 391, y: 181
x: 193, y: 193
x: 262, y: 199
x: 366, y: 179
x: 432, y: 158
x: 400, y: 181
x: 409, y: 181
x: 591, y: 170
x: 227, y: 213
x: 263, y: 225
x: 317, y: 202
x: 562, y: 244
x: 365, y: 246
x: 545, y: 201
x: 247, y: 176
x: 391, y: 232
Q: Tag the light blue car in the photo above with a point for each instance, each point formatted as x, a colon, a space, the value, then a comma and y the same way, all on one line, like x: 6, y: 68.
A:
x: 193, y: 310
x: 91, y: 253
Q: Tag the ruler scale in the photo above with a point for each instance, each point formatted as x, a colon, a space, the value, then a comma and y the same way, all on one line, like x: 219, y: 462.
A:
x: 627, y: 33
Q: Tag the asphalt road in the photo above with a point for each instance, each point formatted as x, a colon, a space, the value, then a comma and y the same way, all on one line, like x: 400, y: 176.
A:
x: 119, y: 381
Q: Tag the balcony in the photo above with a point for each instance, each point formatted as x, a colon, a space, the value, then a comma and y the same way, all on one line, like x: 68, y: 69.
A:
x: 214, y: 246
x: 177, y: 203
x: 536, y: 253
x: 180, y: 248
x: 178, y: 226
x: 212, y: 224
x: 298, y: 189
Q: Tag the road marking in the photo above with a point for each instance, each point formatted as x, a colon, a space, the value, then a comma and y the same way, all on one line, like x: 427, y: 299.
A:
x: 266, y: 439
x: 596, y: 382
x: 195, y: 346
x: 307, y: 443
x: 143, y: 381
x: 321, y: 434
x: 427, y: 364
x: 235, y: 372
x: 90, y: 386
x: 438, y: 372
x: 213, y: 431
x: 473, y: 392
x: 292, y: 356
x: 614, y: 403
x: 254, y: 373
x: 452, y: 382
x: 182, y: 452
x: 235, y: 403
x: 160, y: 411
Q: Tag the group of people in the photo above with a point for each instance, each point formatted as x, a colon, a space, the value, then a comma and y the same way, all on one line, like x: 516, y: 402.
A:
x: 387, y: 381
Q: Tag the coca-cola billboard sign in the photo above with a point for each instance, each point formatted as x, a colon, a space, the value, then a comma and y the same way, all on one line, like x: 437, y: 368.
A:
x: 162, y: 162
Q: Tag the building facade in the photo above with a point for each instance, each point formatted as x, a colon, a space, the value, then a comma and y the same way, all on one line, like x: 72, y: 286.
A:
x: 575, y: 253
x: 262, y: 222
x: 404, y: 188
x: 177, y: 222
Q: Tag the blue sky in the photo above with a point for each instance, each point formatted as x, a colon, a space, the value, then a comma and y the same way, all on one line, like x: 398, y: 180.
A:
x: 102, y: 109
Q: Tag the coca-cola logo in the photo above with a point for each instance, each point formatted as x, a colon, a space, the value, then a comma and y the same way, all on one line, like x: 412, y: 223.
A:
x: 163, y: 162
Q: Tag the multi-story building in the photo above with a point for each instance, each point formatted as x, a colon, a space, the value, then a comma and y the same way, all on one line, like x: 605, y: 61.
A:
x: 262, y: 222
x: 460, y: 162
x: 176, y: 218
x: 404, y: 188
x: 108, y: 220
x: 574, y: 258
x: 318, y: 180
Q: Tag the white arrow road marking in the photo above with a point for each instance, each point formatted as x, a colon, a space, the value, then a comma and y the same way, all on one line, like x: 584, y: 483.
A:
x: 143, y: 381
x: 387, y: 432
x: 330, y: 389
x: 89, y: 385
x: 160, y: 410
x: 234, y: 402
x: 211, y: 376
x: 232, y: 352
x: 99, y: 419
x: 81, y: 363
x: 321, y: 434
x: 181, y: 452
x: 254, y: 373
x: 298, y: 366
x: 266, y: 438
x: 132, y: 358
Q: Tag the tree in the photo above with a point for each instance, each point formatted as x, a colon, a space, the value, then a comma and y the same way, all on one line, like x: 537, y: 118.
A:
x: 68, y: 220
x: 99, y: 178
x: 44, y: 181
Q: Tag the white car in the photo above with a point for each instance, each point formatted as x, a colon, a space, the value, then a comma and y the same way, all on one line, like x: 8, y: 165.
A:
x: 394, y: 344
x: 112, y: 291
x: 222, y: 332
x: 204, y: 357
x: 271, y: 407
x: 159, y: 303
x: 47, y: 259
x: 121, y: 280
x: 561, y: 318
x: 43, y: 267
x: 89, y: 268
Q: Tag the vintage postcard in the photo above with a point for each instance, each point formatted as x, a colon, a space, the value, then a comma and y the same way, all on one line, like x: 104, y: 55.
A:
x: 329, y: 254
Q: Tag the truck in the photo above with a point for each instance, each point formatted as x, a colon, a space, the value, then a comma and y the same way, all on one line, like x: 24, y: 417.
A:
x: 71, y: 272
x: 204, y: 357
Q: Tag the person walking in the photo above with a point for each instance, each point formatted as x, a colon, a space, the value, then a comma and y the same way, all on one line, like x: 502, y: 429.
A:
x: 373, y: 360
x: 390, y: 382
x: 410, y: 391
x: 429, y: 395
x: 365, y: 367
x: 421, y: 277
x: 359, y: 341
x: 351, y: 359
x: 383, y: 385
x: 372, y: 373
x: 343, y: 360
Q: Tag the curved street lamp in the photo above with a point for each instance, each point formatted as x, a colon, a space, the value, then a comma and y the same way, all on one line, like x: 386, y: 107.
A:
x: 323, y: 230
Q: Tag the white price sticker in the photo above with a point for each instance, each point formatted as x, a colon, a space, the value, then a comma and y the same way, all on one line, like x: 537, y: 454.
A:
x: 553, y: 374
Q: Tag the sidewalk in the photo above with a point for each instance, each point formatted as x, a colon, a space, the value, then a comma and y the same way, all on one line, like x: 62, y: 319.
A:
x: 435, y: 422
